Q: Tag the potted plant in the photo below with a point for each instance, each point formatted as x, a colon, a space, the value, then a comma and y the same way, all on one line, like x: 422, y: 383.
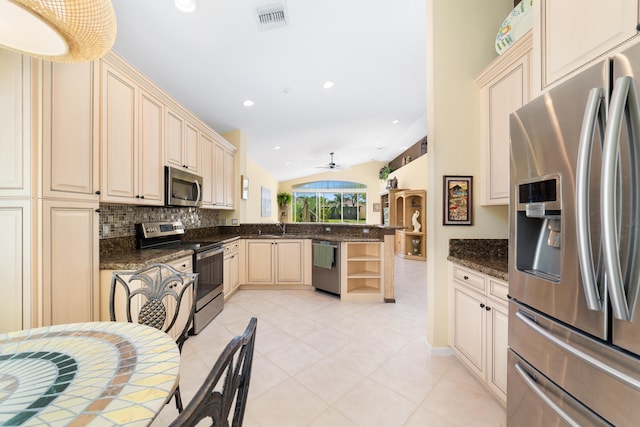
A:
x: 284, y: 199
x: 384, y: 172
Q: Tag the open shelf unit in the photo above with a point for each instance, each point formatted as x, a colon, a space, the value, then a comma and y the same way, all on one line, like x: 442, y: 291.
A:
x: 387, y: 210
x: 412, y: 241
x: 363, y: 271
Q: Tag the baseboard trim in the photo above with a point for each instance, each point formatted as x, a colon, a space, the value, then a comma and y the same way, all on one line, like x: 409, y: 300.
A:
x: 439, y: 351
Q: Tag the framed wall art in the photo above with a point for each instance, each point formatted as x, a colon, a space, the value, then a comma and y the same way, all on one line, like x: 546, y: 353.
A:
x: 265, y: 200
x: 458, y: 203
x: 245, y: 187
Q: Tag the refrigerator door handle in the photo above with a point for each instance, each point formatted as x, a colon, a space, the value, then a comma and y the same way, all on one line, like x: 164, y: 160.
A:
x: 530, y: 382
x: 587, y: 358
x: 624, y: 96
x: 593, y: 120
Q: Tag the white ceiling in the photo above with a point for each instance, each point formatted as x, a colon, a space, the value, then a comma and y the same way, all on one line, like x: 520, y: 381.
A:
x: 213, y: 59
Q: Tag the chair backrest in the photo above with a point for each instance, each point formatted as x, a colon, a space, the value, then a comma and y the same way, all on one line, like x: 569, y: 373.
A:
x: 215, y: 398
x: 157, y: 295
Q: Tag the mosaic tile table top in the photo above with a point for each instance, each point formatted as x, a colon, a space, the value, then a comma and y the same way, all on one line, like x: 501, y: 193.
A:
x: 86, y: 374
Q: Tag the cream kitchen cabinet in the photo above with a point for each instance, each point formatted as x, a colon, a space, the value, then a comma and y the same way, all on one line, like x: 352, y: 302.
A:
x: 15, y: 125
x: 182, y: 142
x: 224, y: 179
x: 207, y: 147
x: 479, y: 325
x: 571, y: 34
x: 70, y: 261
x: 15, y: 264
x: 231, y: 268
x: 276, y: 262
x: 132, y: 136
x: 70, y: 146
x: 505, y: 86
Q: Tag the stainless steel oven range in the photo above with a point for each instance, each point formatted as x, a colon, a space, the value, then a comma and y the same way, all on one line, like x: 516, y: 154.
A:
x: 207, y: 262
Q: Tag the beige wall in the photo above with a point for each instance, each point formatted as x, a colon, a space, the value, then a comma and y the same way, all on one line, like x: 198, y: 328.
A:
x: 460, y: 35
x: 414, y: 175
x: 364, y: 173
x: 258, y: 178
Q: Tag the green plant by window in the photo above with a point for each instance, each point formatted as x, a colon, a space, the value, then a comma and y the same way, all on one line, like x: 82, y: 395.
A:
x: 283, y: 198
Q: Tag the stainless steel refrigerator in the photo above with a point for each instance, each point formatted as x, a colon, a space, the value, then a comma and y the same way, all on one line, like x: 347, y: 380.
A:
x: 574, y: 251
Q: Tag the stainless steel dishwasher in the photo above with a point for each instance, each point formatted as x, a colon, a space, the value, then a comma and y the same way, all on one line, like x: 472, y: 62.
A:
x: 325, y: 274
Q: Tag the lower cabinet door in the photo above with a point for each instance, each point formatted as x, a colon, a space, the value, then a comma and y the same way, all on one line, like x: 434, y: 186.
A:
x: 498, y: 325
x: 469, y: 328
x: 15, y: 264
x: 70, y: 262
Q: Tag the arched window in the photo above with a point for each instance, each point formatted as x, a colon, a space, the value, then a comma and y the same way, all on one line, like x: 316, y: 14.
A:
x: 330, y: 201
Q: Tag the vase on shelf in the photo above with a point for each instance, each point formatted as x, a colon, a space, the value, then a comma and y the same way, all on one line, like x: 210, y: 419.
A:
x: 416, y: 246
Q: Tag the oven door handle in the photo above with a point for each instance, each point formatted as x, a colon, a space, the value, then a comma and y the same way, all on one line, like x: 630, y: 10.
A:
x: 209, y: 253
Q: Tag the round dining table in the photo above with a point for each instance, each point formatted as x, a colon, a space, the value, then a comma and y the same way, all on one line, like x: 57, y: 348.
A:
x: 86, y: 374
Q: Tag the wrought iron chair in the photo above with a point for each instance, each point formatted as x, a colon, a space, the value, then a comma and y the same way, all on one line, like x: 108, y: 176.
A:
x: 214, y: 400
x: 159, y: 296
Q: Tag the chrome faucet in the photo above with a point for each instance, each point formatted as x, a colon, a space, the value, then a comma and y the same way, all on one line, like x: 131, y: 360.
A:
x: 282, y: 227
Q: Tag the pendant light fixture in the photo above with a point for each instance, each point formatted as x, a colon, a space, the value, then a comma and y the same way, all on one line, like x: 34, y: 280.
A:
x: 58, y: 30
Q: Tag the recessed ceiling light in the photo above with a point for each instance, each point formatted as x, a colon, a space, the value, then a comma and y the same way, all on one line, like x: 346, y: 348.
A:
x: 277, y: 147
x: 287, y: 163
x: 186, y: 6
x: 395, y: 122
x: 248, y: 103
x: 328, y: 84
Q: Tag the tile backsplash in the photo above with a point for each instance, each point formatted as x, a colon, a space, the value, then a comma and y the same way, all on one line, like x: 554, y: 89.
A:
x: 122, y: 218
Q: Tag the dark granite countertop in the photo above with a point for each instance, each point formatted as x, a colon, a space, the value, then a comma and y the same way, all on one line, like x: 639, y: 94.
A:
x: 138, y: 258
x: 488, y: 256
x: 122, y: 255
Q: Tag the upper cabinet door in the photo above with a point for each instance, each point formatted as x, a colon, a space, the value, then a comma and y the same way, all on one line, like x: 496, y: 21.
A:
x: 150, y: 173
x: 69, y: 130
x: 572, y: 33
x: 182, y: 142
x: 174, y: 138
x: 207, y: 163
x: 15, y: 124
x: 505, y: 86
x: 229, y: 178
x: 119, y: 116
x: 191, y: 148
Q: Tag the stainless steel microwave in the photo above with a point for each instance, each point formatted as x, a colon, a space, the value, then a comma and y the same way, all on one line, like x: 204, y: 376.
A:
x: 181, y: 188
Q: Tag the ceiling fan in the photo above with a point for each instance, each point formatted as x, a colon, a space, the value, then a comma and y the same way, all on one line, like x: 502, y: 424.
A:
x: 331, y: 164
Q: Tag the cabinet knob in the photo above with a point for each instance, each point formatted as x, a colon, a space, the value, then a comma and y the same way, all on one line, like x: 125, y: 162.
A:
x: 142, y: 197
x: 137, y: 196
x: 487, y: 308
x: 638, y: 27
x: 466, y: 277
x: 481, y: 305
x: 98, y: 192
x: 98, y: 210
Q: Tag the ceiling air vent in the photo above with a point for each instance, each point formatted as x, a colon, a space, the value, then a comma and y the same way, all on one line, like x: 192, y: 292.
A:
x: 271, y: 17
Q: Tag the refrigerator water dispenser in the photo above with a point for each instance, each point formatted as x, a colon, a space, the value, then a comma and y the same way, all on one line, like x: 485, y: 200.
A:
x: 539, y: 229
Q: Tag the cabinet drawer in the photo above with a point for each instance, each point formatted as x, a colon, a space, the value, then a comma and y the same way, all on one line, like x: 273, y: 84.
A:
x: 498, y: 288
x: 184, y: 264
x: 469, y: 278
x: 231, y: 247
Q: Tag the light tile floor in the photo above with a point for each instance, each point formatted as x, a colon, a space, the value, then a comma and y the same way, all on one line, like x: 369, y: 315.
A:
x: 320, y: 362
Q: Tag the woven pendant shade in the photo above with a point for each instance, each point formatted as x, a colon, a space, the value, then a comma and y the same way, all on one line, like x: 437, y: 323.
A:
x: 87, y: 27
